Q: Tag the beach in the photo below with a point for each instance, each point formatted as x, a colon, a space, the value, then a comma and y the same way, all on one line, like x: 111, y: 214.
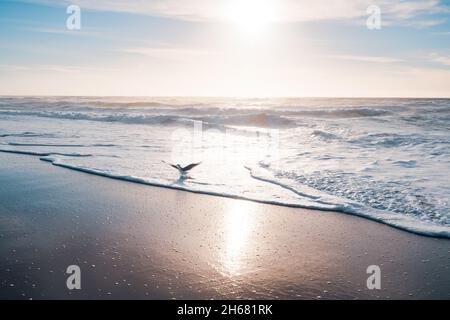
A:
x: 134, y: 241
x: 367, y: 157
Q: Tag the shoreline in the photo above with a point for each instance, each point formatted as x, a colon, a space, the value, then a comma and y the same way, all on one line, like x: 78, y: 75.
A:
x: 134, y: 241
x: 428, y: 230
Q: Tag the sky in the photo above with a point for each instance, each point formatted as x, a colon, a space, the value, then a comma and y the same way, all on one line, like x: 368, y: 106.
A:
x: 238, y: 48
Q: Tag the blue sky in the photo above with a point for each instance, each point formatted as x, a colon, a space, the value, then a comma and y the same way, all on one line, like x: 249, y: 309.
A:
x: 222, y: 48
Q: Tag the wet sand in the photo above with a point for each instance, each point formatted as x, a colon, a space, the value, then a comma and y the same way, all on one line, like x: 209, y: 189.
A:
x: 133, y: 241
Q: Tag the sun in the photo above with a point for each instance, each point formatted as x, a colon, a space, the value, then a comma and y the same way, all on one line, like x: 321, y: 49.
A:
x: 252, y: 16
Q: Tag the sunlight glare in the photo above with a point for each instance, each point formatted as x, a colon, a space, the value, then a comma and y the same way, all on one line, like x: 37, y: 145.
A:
x: 238, y: 225
x: 252, y: 15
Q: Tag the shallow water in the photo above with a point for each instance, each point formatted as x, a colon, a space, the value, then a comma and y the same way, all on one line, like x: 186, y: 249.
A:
x: 384, y: 159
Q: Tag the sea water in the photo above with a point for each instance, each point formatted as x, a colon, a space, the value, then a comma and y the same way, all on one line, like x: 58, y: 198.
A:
x: 383, y: 159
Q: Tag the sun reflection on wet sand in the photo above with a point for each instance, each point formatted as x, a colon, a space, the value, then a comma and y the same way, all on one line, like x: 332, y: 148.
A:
x: 238, y: 224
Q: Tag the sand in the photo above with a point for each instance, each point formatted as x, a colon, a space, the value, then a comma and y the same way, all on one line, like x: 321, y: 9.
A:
x: 133, y: 241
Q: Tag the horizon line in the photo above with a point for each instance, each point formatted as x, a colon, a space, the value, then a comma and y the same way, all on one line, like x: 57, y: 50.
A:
x: 226, y: 97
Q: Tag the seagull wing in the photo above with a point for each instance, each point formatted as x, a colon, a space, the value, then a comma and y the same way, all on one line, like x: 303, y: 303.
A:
x: 191, y: 166
x: 172, y: 165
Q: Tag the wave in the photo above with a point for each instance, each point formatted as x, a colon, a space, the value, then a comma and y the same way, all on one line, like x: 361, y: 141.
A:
x: 406, y: 163
x: 390, y: 140
x: 220, y: 118
x: 388, y: 161
x: 45, y: 154
x: 324, y: 135
x: 344, y: 113
x: 323, y: 202
x: 221, y: 122
x: 25, y: 135
x: 117, y: 117
x: 16, y: 144
x: 333, y: 203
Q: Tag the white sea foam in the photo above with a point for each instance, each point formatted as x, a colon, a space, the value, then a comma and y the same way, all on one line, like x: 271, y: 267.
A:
x: 383, y: 159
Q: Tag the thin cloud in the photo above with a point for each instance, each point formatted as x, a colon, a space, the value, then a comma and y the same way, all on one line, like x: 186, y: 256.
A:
x: 54, y: 68
x: 170, y: 53
x: 373, y: 59
x: 445, y: 33
x: 438, y: 58
x: 410, y: 9
x: 421, y: 24
x: 397, y: 11
x: 63, y: 31
x: 41, y: 27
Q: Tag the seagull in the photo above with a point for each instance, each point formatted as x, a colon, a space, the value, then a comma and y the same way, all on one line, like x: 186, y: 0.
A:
x: 183, y: 170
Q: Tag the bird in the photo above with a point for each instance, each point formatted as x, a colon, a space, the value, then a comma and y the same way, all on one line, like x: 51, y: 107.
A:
x: 183, y: 170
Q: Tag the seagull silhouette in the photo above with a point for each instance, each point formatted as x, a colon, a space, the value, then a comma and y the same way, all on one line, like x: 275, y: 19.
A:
x: 183, y: 170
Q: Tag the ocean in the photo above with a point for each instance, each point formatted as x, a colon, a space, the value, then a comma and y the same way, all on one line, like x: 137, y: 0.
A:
x: 383, y: 159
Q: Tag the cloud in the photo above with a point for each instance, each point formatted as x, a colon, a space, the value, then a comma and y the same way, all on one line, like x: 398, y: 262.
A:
x: 374, y: 59
x: 425, y: 23
x: 410, y: 9
x: 53, y: 68
x: 171, y: 53
x: 288, y: 10
x: 63, y: 31
x: 438, y: 58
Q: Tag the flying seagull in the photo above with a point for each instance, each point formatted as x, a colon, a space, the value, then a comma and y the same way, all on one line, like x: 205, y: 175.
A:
x: 183, y: 170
